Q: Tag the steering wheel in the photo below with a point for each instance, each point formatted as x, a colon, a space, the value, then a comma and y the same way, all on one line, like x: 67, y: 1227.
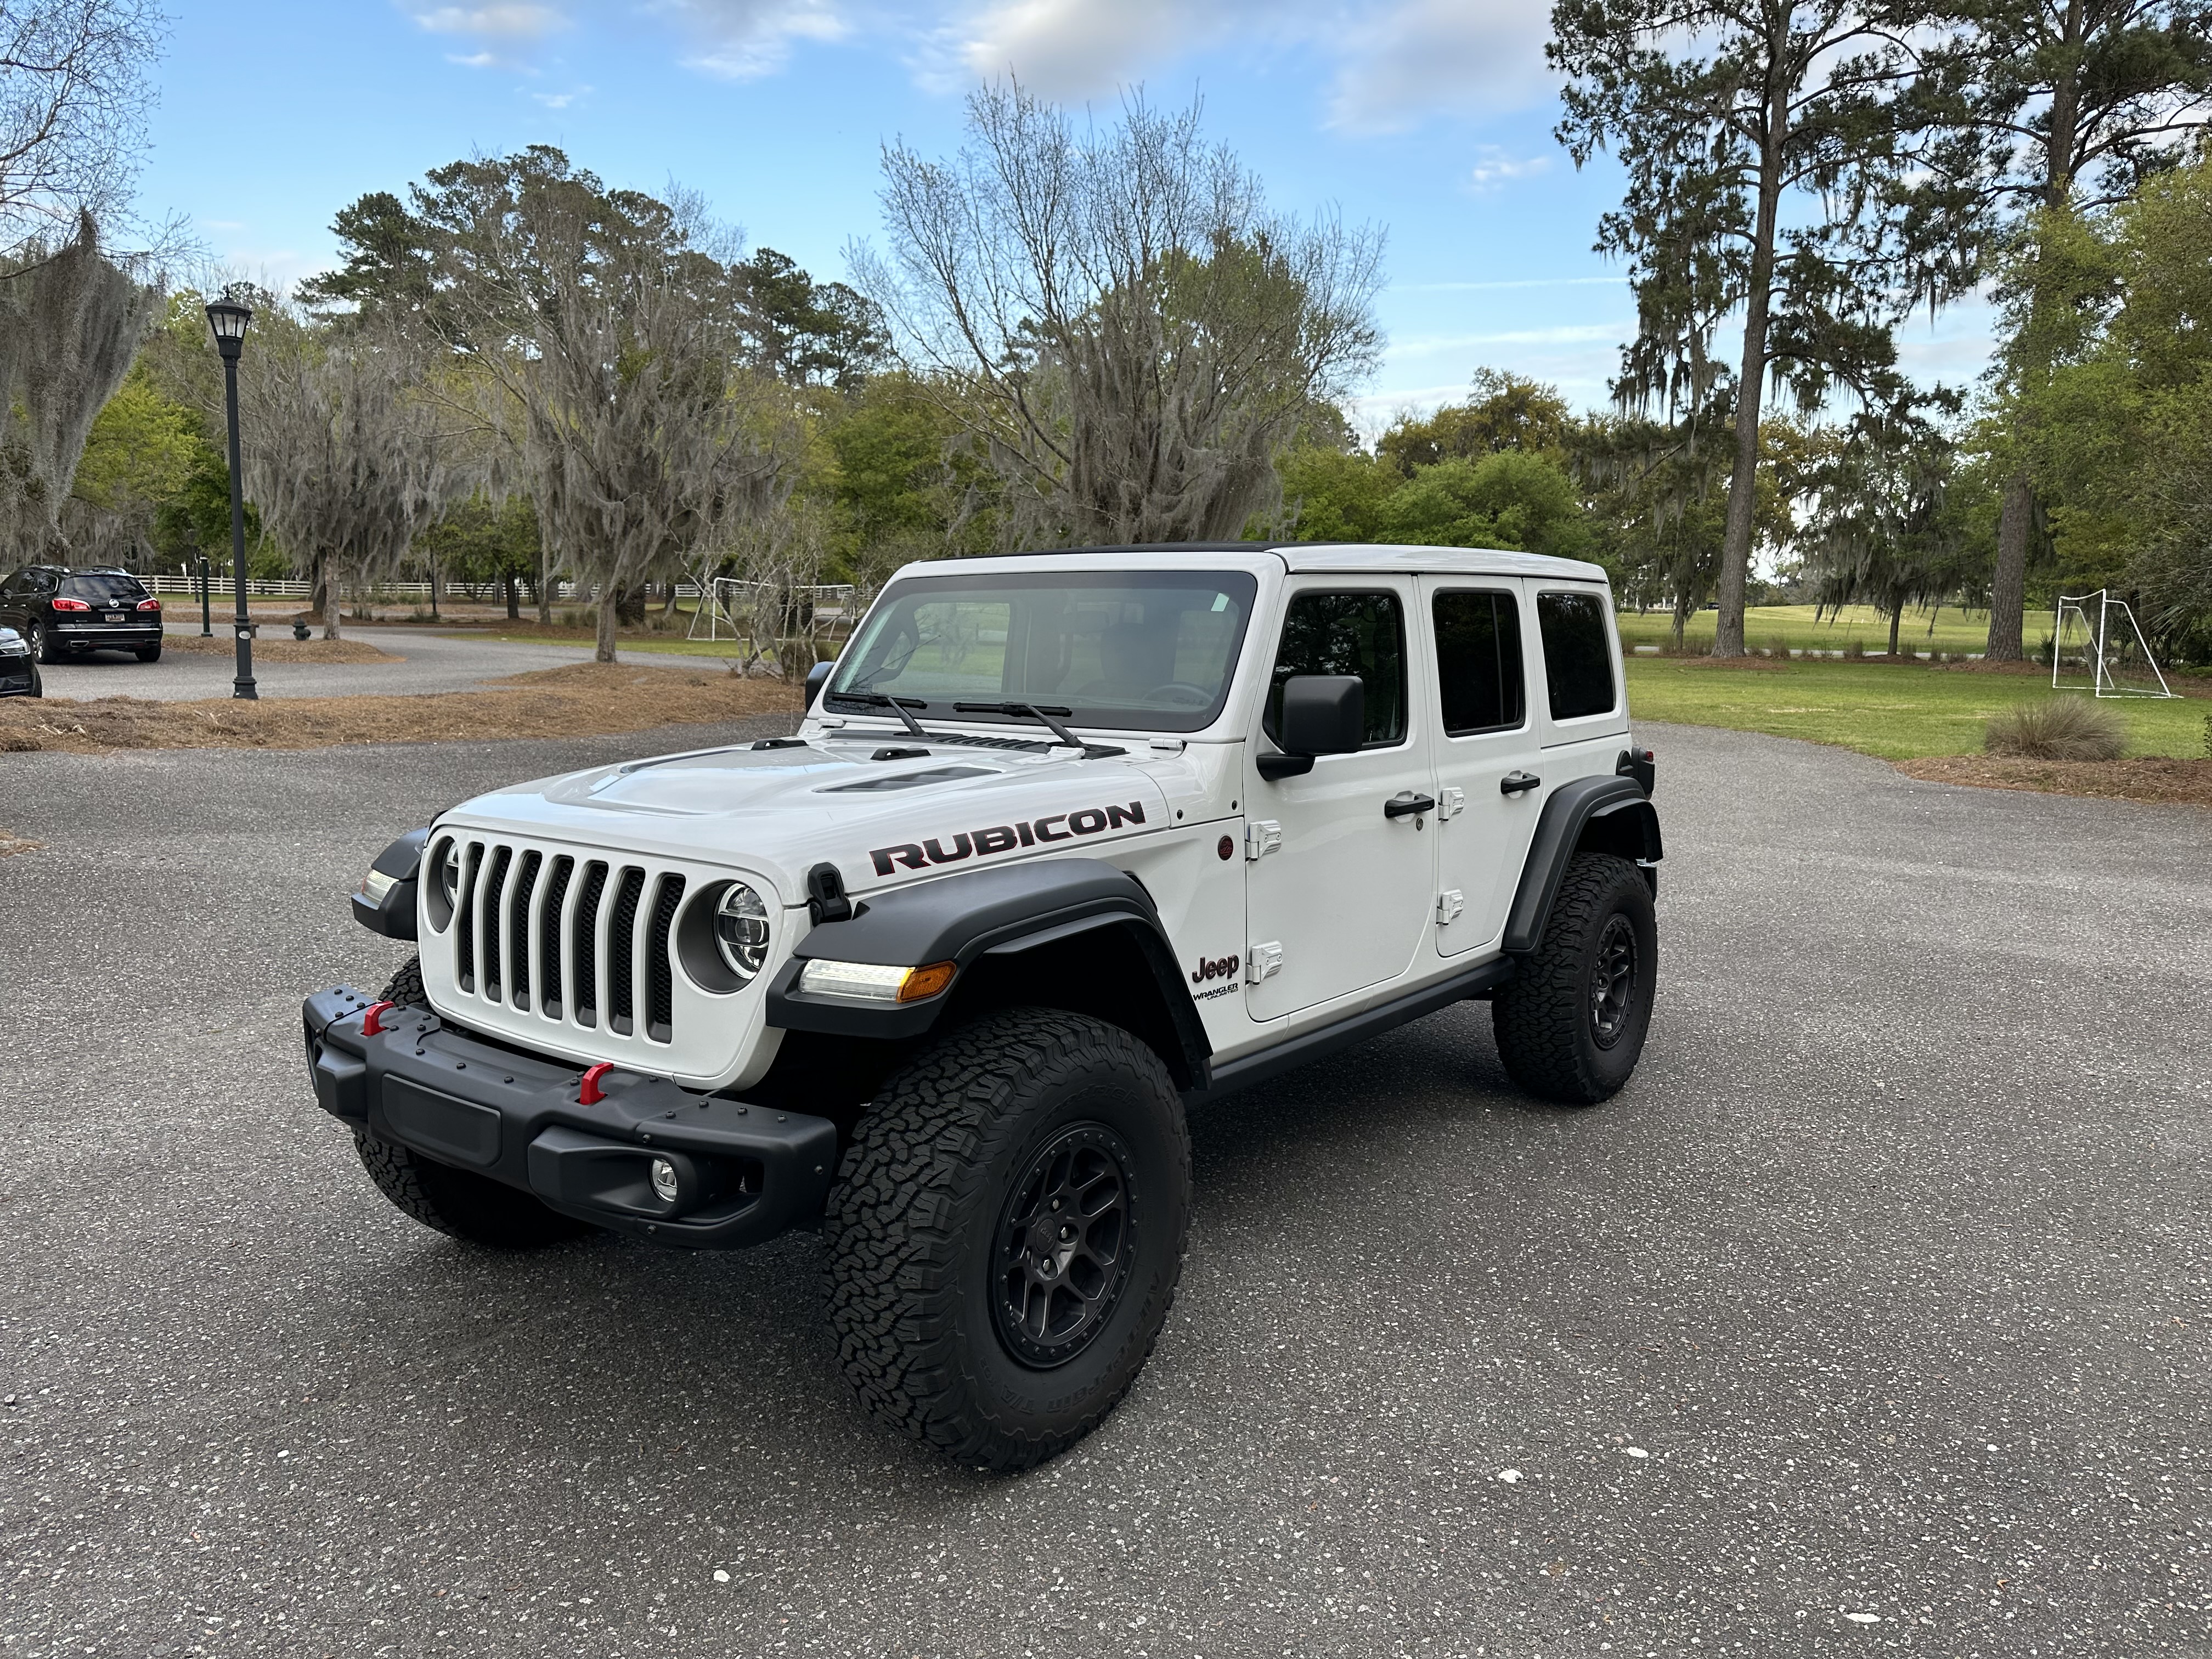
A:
x: 1180, y: 694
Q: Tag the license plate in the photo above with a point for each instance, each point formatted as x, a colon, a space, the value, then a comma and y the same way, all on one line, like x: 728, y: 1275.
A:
x: 118, y: 616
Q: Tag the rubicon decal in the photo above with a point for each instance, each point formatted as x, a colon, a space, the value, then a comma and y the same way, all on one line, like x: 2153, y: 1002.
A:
x: 1005, y: 837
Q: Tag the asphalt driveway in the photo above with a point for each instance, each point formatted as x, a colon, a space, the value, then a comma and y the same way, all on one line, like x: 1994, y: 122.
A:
x: 1873, y: 1317
x: 426, y: 661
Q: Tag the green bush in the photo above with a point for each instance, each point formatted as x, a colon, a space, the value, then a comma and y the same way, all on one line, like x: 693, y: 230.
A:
x: 2058, y: 728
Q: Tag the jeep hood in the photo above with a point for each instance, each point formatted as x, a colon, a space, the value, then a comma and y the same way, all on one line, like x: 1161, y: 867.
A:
x: 777, y: 812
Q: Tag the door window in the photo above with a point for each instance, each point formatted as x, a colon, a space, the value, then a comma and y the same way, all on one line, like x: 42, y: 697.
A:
x: 1479, y: 677
x: 1362, y: 634
x: 1578, y: 654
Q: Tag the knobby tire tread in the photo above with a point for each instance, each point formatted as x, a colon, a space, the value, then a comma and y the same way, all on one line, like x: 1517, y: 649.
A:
x: 1537, y: 1016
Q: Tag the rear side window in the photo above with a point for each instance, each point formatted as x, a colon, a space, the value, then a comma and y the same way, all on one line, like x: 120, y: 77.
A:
x: 1578, y: 654
x: 1362, y: 634
x: 1478, y: 662
x: 103, y: 589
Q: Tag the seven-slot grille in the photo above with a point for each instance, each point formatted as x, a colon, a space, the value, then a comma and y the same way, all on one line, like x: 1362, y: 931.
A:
x: 580, y: 940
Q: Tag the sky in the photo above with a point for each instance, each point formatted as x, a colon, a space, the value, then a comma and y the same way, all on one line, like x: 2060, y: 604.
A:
x: 1431, y: 119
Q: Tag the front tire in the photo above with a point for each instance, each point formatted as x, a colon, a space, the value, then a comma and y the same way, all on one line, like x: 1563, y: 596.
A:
x: 1572, y: 1022
x: 43, y: 648
x: 1006, y: 1233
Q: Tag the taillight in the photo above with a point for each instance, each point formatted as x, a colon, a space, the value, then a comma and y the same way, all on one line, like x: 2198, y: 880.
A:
x: 71, y: 605
x: 150, y: 604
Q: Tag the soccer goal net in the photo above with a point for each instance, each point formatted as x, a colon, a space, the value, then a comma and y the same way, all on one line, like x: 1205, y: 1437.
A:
x: 2097, y: 647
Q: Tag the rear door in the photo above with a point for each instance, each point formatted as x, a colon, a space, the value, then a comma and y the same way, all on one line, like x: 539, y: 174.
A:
x: 1339, y: 893
x: 1487, y: 744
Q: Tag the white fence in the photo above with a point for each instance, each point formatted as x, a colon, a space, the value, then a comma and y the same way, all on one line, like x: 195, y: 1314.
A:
x: 477, y: 594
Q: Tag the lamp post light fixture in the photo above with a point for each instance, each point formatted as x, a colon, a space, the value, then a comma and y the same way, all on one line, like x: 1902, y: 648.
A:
x: 228, y: 319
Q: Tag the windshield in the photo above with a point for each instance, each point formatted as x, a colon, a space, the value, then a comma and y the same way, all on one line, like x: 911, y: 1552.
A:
x: 103, y: 587
x: 1152, y: 650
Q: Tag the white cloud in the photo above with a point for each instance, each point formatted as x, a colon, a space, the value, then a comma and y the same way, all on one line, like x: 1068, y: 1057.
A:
x: 1494, y: 166
x: 499, y: 22
x: 472, y: 59
x: 559, y: 100
x: 1395, y: 65
x: 744, y: 40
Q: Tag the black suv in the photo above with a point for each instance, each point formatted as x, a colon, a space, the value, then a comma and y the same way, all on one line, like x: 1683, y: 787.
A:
x: 65, y: 613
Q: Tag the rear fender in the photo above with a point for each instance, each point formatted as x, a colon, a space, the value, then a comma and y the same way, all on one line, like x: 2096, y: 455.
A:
x: 1589, y: 815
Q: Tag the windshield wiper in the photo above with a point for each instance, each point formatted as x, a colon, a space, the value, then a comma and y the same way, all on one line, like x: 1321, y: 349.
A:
x: 898, y: 705
x: 1043, y: 715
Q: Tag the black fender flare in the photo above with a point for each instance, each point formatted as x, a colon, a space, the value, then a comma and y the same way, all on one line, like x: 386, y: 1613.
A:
x: 1619, y: 804
x: 394, y: 915
x: 964, y: 918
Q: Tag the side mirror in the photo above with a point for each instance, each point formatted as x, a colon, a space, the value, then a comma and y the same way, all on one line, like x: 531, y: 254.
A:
x: 1322, y: 715
x: 817, y: 677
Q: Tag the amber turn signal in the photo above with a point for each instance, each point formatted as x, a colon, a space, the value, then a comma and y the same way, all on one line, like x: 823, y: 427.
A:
x: 926, y: 981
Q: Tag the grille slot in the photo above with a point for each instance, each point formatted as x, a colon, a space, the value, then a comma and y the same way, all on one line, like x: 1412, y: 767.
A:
x: 586, y: 938
x: 493, y: 943
x: 518, y: 928
x: 660, y: 976
x: 550, y: 980
x: 465, y: 919
x: 622, y: 951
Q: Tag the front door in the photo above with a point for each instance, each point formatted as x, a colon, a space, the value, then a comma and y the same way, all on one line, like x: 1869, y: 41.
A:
x: 1337, y: 890
x: 1487, y: 743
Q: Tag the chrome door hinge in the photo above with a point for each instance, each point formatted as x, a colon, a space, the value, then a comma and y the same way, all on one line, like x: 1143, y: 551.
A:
x: 1449, y: 905
x: 1449, y: 803
x: 1262, y: 961
x: 1262, y: 837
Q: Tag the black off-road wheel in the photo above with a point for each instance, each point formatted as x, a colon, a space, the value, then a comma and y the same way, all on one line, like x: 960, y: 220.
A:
x: 458, y: 1203
x: 1570, y: 1024
x: 1006, y: 1235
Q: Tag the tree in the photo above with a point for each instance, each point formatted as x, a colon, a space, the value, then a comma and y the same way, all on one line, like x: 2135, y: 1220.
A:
x: 806, y: 332
x: 2078, y: 101
x: 70, y: 321
x: 141, y: 452
x: 1131, y: 335
x: 605, y: 335
x: 1882, y: 531
x: 1507, y: 412
x: 341, y: 448
x: 481, y: 539
x: 1765, y: 181
x: 73, y: 107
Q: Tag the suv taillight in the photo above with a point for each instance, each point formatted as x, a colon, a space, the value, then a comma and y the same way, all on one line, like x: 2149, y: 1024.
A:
x: 150, y: 604
x: 71, y: 605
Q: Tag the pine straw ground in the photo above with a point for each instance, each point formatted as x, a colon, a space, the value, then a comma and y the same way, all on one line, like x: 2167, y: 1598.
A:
x: 583, y: 699
x: 281, y: 647
x: 2150, y: 777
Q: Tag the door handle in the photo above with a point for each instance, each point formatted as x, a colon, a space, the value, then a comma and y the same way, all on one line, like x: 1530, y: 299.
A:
x: 1408, y: 805
x: 1514, y: 783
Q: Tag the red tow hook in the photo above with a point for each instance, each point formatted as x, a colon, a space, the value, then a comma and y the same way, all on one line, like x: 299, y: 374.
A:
x: 590, y: 1095
x: 371, y: 1024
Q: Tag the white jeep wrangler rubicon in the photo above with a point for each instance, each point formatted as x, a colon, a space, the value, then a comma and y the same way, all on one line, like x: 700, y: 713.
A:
x: 1064, y: 844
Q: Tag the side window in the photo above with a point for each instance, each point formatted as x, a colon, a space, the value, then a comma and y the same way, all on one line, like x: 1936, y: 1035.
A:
x: 1578, y: 654
x: 1362, y: 634
x: 1478, y: 662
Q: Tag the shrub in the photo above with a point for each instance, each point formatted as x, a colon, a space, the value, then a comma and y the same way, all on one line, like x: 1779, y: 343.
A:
x: 2208, y: 737
x: 2058, y: 728
x: 1854, y: 649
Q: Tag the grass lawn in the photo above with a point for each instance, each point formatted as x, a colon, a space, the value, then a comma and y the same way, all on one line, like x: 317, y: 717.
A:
x: 1793, y: 625
x: 1896, y: 711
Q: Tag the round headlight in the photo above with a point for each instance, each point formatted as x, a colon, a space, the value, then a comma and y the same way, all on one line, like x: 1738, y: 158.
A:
x: 449, y: 879
x: 741, y: 931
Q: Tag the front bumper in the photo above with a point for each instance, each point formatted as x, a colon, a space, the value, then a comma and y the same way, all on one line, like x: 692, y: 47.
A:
x: 747, y: 1172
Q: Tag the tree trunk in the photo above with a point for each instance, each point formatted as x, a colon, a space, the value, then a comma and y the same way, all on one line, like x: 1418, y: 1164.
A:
x: 544, y: 586
x: 320, y: 605
x: 1896, y: 622
x: 333, y: 601
x: 434, y: 590
x: 513, y: 599
x: 2009, y: 586
x: 1750, y: 393
x: 608, y: 596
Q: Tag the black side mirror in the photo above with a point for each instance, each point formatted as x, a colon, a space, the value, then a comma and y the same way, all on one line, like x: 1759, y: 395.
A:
x: 817, y: 677
x: 1322, y: 715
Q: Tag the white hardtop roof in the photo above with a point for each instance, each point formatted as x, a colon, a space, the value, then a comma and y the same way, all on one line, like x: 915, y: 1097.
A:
x: 1299, y: 557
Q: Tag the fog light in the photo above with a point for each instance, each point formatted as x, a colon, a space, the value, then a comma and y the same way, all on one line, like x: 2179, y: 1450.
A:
x: 665, y: 1184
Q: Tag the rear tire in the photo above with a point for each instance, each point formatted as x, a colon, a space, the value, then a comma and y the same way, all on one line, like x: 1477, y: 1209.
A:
x: 148, y: 654
x: 1570, y: 1024
x: 970, y: 1314
x: 459, y: 1203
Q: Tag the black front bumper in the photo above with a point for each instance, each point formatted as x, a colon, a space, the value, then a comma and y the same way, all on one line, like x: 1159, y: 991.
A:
x: 746, y: 1172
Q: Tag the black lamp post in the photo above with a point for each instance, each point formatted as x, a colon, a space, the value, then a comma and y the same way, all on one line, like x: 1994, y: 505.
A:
x: 207, y: 621
x: 229, y: 320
